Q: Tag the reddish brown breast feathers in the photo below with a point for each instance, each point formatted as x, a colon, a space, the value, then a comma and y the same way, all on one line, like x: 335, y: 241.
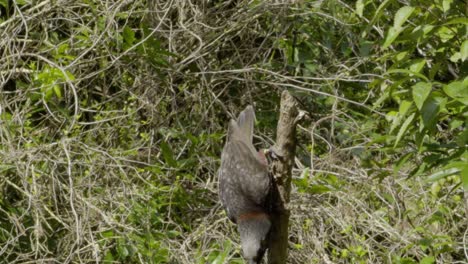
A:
x: 252, y: 215
x: 262, y: 156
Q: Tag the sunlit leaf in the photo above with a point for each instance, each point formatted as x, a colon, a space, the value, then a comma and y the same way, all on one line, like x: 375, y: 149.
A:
x: 107, y: 234
x: 402, y: 15
x: 464, y: 177
x: 223, y: 254
x: 442, y: 174
x: 464, y: 50
x: 455, y: 123
x: 403, y: 109
x: 421, y: 91
x: 446, y: 5
x: 48, y: 92
x: 318, y: 189
x: 128, y: 36
x: 462, y: 139
x: 445, y: 34
x: 456, y: 57
x: 58, y: 91
x: 409, y: 73
x: 458, y: 20
x: 401, y: 55
x: 108, y: 258
x: 403, y: 128
x: 417, y: 65
x: 427, y: 29
x: 457, y: 90
x: 392, y: 34
x: 70, y: 76
x: 359, y: 7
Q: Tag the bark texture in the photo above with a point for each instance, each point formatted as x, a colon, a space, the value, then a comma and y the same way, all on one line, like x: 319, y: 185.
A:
x: 281, y: 170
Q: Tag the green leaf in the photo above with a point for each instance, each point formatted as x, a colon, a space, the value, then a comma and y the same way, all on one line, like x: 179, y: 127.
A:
x: 70, y: 76
x: 409, y: 73
x: 464, y: 178
x: 456, y: 57
x: 403, y: 109
x: 401, y: 55
x: 58, y: 91
x: 464, y: 50
x: 302, y: 183
x: 462, y: 138
x: 429, y: 112
x: 122, y: 250
x: 318, y: 189
x: 446, y: 5
x: 417, y: 65
x: 458, y: 20
x: 421, y: 91
x: 427, y: 29
x: 223, y: 254
x: 168, y: 154
x: 107, y: 234
x: 442, y: 174
x: 403, y: 128
x: 455, y: 123
x: 445, y: 34
x: 108, y: 258
x: 359, y: 7
x: 391, y: 36
x: 425, y: 243
x: 48, y: 91
x: 402, y: 15
x: 128, y: 35
x: 457, y: 90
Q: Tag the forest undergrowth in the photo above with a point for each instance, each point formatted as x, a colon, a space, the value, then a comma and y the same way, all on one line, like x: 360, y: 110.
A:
x: 113, y: 116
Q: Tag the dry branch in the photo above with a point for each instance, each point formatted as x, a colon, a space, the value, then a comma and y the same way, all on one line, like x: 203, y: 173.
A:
x: 281, y: 170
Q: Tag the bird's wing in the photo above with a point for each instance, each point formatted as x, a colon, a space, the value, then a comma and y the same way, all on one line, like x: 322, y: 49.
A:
x: 243, y: 175
x: 244, y: 169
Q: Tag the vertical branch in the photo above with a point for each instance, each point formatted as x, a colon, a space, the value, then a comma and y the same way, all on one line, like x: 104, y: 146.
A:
x: 281, y: 170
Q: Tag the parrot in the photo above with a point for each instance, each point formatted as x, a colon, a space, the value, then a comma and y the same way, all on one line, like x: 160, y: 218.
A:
x: 244, y: 186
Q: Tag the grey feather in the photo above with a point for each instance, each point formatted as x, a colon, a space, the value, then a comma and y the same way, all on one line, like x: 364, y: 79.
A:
x: 244, y: 184
x: 246, y: 122
x: 244, y: 173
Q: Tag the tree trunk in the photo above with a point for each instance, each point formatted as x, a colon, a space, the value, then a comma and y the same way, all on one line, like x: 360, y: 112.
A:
x: 281, y: 170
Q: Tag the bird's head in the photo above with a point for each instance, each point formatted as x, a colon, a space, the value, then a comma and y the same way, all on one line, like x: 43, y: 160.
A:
x: 254, y: 229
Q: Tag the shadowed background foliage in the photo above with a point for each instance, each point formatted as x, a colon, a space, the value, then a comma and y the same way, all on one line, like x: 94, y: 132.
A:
x: 113, y: 116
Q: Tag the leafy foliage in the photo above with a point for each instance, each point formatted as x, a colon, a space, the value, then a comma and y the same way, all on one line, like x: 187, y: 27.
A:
x: 112, y: 117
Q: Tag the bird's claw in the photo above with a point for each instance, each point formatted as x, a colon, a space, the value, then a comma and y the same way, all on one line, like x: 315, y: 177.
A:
x: 273, y: 154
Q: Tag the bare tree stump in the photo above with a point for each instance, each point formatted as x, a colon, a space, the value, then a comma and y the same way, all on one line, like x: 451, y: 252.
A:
x: 282, y: 170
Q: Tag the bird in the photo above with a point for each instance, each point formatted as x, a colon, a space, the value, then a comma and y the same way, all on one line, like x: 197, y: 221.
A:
x: 244, y: 186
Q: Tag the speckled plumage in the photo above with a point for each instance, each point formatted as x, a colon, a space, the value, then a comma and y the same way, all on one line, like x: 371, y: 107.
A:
x: 244, y: 184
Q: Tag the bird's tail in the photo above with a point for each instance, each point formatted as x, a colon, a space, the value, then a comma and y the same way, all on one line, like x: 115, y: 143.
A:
x: 242, y: 129
x: 246, y: 122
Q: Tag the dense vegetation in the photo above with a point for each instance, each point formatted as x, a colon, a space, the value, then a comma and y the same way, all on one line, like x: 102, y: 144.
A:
x: 113, y: 114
